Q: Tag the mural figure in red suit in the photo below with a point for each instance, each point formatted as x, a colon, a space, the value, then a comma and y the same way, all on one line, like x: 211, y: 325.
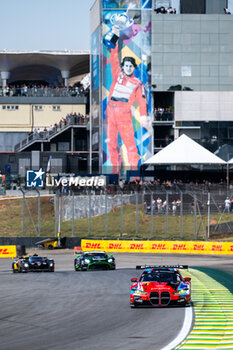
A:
x: 125, y: 90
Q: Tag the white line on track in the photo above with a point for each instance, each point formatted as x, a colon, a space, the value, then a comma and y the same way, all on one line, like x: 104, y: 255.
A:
x: 188, y: 318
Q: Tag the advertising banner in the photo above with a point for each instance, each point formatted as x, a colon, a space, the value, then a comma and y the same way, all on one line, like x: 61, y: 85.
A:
x: 181, y: 247
x: 126, y: 85
x: 8, y: 251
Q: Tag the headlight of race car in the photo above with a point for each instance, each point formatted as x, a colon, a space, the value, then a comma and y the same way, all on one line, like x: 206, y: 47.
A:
x: 182, y: 291
x: 26, y: 264
x: 140, y: 292
x: 51, y: 264
x: 87, y: 261
x: 110, y: 260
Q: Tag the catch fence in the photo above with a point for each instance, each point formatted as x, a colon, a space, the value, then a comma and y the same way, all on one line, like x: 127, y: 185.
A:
x: 130, y: 212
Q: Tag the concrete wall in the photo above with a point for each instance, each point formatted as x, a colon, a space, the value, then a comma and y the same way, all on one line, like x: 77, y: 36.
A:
x: 204, y: 105
x: 28, y: 116
x: 192, y: 50
x: 30, y: 242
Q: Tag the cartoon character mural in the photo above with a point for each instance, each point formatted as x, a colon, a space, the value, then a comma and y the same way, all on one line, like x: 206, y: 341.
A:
x: 127, y: 129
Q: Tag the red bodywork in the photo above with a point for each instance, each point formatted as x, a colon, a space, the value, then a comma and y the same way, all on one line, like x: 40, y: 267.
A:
x: 175, y: 290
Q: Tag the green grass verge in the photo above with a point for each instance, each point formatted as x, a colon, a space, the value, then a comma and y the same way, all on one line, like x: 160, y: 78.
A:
x: 12, y: 223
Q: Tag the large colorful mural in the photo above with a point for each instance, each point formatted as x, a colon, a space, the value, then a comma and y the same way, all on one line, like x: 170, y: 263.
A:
x: 126, y: 70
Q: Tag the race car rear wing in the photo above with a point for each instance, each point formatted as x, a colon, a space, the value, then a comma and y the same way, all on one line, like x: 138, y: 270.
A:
x: 162, y: 267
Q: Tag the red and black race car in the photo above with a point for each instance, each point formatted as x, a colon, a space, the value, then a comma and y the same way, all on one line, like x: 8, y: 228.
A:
x: 160, y: 286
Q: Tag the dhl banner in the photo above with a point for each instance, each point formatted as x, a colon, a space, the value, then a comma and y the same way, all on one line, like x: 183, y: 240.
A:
x: 187, y: 247
x: 7, y: 251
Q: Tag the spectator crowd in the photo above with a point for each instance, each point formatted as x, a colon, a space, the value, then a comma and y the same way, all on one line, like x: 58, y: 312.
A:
x: 40, y: 90
x: 70, y: 119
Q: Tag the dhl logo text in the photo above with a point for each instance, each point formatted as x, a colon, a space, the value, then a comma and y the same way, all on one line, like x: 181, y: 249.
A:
x: 159, y: 246
x: 4, y: 251
x: 179, y: 247
x: 217, y: 248
x: 93, y: 246
x: 198, y: 247
x: 136, y: 246
x: 115, y: 246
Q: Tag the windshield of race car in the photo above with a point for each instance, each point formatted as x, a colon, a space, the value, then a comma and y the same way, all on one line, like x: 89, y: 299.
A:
x: 160, y: 276
x: 92, y: 255
x: 34, y: 259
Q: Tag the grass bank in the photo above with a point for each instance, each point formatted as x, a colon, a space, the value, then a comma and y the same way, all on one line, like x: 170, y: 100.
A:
x: 11, y: 216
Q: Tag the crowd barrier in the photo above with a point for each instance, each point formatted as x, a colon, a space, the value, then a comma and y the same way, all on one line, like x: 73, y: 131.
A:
x: 181, y: 247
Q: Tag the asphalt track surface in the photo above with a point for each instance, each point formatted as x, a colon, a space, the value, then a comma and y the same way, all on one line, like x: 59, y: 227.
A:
x: 68, y: 310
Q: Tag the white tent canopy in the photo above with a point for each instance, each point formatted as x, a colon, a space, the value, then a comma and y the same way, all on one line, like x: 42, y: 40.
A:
x: 230, y: 161
x: 184, y: 151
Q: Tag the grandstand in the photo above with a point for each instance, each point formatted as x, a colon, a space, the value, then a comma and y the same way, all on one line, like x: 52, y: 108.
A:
x: 44, y: 110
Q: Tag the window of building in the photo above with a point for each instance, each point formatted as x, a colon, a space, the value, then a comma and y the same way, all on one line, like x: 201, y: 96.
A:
x: 190, y: 6
x: 12, y: 159
x: 186, y: 71
x: 230, y: 6
x: 166, y: 6
x: 10, y: 108
x: 230, y: 133
x: 56, y: 108
x: 38, y: 108
x: 63, y: 146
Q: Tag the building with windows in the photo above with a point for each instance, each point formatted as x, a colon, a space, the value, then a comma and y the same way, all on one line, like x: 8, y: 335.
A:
x: 183, y: 50
x: 43, y: 111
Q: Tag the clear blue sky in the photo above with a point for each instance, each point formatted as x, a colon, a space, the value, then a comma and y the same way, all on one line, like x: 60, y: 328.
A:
x: 45, y: 24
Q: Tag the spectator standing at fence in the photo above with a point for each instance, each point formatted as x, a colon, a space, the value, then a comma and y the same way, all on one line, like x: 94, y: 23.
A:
x: 164, y: 206
x: 174, y: 207
x: 231, y: 208
x: 159, y: 204
x: 25, y: 90
x: 153, y: 206
x: 227, y: 204
x: 178, y: 203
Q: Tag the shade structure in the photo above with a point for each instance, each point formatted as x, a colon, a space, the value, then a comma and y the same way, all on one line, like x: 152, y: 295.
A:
x: 230, y: 161
x: 185, y: 151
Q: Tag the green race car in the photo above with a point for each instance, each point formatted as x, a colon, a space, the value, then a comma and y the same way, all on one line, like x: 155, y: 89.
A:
x: 94, y: 260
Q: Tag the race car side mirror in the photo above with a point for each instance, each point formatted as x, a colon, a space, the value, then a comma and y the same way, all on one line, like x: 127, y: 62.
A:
x: 134, y: 280
x: 187, y: 279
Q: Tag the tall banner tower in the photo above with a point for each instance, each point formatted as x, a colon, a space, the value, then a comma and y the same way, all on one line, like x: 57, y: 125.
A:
x: 121, y: 85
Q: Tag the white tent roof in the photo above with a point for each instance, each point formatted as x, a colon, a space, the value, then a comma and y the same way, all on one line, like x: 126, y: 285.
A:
x: 184, y: 151
x: 230, y: 161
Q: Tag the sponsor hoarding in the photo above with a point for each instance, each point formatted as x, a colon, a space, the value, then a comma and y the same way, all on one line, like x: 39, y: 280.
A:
x: 8, y: 251
x: 180, y: 247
